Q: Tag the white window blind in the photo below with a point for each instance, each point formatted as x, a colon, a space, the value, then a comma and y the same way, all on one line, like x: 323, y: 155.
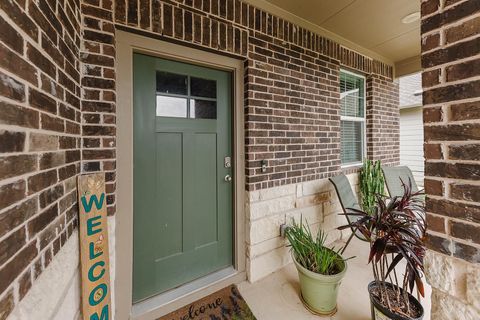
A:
x: 352, y: 100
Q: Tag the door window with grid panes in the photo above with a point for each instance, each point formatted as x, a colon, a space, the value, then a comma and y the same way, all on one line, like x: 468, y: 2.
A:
x: 352, y: 101
x: 183, y: 96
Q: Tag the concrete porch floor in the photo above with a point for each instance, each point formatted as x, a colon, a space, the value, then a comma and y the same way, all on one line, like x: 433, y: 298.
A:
x: 276, y: 297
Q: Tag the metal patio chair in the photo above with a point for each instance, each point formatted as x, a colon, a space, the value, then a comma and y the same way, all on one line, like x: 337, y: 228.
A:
x: 394, y: 176
x: 347, y: 200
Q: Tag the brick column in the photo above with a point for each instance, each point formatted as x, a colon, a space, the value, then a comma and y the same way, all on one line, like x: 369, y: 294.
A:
x: 383, y: 120
x: 39, y: 139
x: 98, y: 93
x: 451, y: 62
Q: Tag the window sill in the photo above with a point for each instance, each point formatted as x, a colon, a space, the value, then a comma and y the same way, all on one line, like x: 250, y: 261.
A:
x: 352, y: 165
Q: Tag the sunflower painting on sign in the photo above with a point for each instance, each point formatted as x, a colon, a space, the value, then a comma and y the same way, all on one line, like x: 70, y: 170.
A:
x: 94, y: 254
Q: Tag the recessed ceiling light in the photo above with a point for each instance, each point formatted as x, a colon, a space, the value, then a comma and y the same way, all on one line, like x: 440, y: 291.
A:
x: 412, y: 17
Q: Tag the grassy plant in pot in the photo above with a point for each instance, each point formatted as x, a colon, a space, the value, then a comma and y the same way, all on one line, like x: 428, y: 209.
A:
x: 320, y: 268
x: 396, y: 231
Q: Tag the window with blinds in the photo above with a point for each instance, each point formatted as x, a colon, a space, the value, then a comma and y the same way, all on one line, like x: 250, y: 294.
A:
x: 352, y: 100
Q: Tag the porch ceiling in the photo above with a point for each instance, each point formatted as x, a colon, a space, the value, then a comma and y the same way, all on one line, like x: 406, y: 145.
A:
x: 375, y: 25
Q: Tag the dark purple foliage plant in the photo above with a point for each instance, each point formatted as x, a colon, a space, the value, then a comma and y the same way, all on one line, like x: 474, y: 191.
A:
x: 396, y: 231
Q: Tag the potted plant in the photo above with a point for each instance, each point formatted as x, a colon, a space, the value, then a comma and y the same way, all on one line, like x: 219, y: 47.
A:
x: 396, y: 231
x: 371, y: 183
x: 320, y: 268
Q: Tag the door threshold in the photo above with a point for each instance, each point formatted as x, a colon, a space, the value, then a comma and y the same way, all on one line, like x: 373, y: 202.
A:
x: 164, y: 303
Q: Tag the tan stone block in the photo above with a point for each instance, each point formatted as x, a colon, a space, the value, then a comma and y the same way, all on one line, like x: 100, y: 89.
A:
x: 446, y: 273
x: 332, y: 221
x: 247, y: 209
x: 252, y: 195
x: 265, y: 228
x: 310, y: 215
x: 446, y: 307
x: 316, y: 186
x: 277, y: 192
x: 299, y: 189
x: 312, y: 200
x: 473, y: 286
x: 327, y: 208
x: 267, y: 208
x: 332, y: 207
x: 264, y: 247
x: 268, y: 263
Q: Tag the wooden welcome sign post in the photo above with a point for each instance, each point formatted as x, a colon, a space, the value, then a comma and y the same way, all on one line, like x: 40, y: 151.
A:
x: 94, y: 256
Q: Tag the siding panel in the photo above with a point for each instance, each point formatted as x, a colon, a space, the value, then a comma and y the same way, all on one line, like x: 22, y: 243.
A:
x: 411, y: 142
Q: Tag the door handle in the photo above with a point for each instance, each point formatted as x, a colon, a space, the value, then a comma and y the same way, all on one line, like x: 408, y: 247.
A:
x: 228, y: 178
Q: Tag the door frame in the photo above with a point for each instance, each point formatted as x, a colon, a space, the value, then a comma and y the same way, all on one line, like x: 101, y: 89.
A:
x: 128, y: 44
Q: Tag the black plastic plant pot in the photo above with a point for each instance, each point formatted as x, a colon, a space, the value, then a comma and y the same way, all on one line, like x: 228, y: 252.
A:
x: 380, y: 312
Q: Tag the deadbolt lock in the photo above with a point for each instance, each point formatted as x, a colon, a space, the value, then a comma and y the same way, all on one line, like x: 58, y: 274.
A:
x: 227, y: 162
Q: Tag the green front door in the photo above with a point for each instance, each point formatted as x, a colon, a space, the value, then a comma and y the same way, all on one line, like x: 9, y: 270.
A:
x: 182, y: 169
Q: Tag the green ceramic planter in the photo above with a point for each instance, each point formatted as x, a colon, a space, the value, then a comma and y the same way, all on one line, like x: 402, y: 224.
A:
x: 319, y: 292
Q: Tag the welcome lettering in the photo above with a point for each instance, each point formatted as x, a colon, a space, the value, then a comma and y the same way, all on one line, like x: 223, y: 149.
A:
x: 93, y: 199
x: 94, y: 248
x: 194, y: 312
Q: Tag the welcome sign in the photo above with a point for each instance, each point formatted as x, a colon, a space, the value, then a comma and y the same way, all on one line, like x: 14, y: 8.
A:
x: 94, y: 255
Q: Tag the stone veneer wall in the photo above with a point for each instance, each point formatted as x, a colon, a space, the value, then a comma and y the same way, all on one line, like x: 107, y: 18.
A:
x: 451, y: 56
x: 57, y: 116
x: 313, y: 202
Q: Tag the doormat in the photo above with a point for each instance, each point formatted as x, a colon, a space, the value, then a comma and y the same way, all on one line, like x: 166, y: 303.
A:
x: 225, y: 304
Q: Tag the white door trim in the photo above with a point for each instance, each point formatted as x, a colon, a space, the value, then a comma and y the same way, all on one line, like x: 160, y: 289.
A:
x: 127, y: 44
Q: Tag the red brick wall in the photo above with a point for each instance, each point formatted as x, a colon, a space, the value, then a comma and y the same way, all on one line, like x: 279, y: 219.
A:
x: 383, y: 120
x: 57, y: 107
x: 98, y: 92
x: 291, y: 84
x: 292, y: 114
x: 451, y: 58
x: 39, y: 138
